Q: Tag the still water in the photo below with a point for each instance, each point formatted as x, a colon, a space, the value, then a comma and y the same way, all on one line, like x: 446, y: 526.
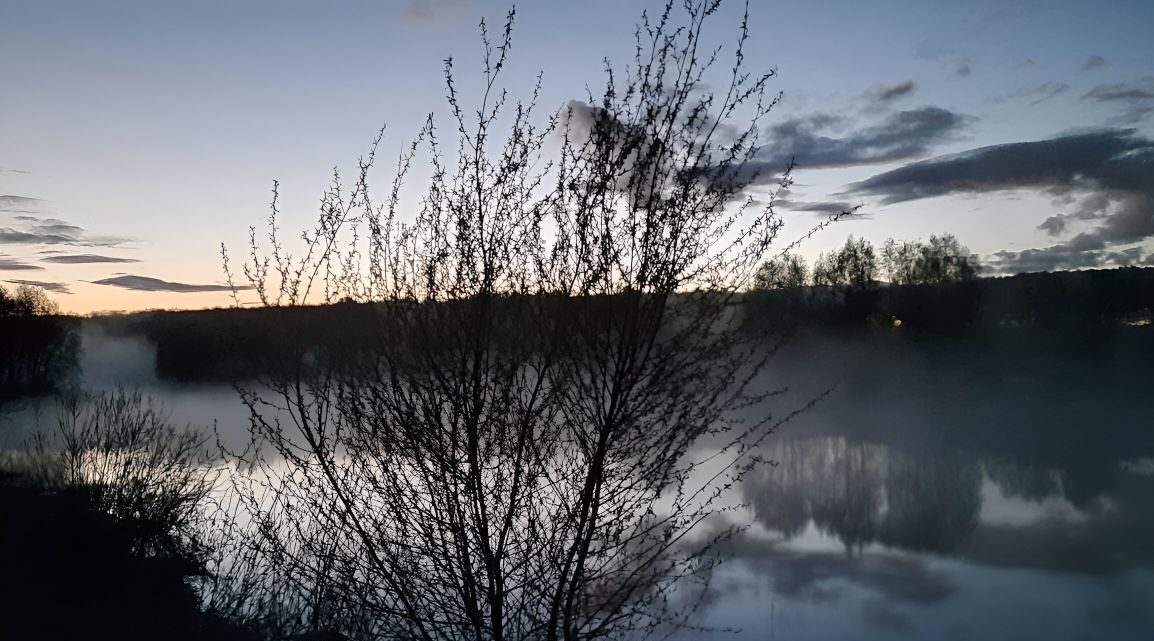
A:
x: 943, y: 490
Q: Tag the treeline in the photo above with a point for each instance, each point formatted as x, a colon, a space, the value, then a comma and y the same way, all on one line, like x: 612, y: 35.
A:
x: 934, y: 287
x: 936, y: 291
x: 228, y: 345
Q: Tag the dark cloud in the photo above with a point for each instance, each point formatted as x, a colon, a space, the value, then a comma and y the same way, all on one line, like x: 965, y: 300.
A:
x: 830, y: 208
x: 21, y: 204
x: 57, y: 288
x: 1103, y: 160
x: 147, y: 284
x: 964, y: 70
x: 814, y: 143
x: 9, y: 264
x: 16, y: 237
x: 890, y: 93
x: 1106, y: 178
x: 1093, y: 62
x: 76, y: 259
x: 1080, y: 253
x: 1029, y: 64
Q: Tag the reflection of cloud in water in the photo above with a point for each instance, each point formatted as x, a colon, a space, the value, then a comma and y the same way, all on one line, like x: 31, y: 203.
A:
x: 821, y: 575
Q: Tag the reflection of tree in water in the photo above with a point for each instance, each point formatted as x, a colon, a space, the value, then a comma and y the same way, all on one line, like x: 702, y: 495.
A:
x: 932, y: 501
x: 864, y: 492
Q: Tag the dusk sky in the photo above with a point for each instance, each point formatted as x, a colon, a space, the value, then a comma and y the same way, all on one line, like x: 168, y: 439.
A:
x: 138, y: 135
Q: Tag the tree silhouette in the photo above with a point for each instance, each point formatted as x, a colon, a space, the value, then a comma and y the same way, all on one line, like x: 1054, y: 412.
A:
x: 38, y: 347
x: 510, y: 454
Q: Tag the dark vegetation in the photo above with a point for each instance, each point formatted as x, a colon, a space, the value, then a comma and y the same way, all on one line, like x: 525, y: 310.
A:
x: 103, y: 516
x: 38, y: 346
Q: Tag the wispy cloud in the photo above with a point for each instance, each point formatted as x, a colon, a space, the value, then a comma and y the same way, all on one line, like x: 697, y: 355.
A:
x: 430, y: 10
x: 9, y: 264
x: 148, y: 284
x: 1037, y: 94
x: 1136, y: 99
x: 891, y: 93
x: 20, y: 204
x: 1136, y: 91
x: 827, y: 140
x: 8, y: 171
x: 56, y: 288
x: 33, y: 230
x: 1092, y: 63
x: 83, y: 259
x: 827, y: 208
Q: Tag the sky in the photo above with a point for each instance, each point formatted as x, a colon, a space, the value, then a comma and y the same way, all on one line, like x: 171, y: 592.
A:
x: 137, y: 136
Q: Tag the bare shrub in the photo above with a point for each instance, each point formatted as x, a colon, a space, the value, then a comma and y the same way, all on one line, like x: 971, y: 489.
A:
x: 510, y: 452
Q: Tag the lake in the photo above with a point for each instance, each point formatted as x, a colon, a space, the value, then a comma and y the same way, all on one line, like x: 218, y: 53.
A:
x: 945, y: 489
x: 950, y: 491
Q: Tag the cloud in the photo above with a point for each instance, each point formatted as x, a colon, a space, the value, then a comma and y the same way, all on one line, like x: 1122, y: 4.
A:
x: 147, y: 284
x: 8, y: 171
x: 1130, y: 92
x: 21, y: 204
x: 1029, y: 64
x: 1110, y: 159
x: 1079, y: 253
x: 1136, y: 98
x: 807, y: 574
x: 902, y: 135
x: 1106, y: 178
x: 1093, y: 62
x: 57, y: 288
x: 9, y: 264
x: 33, y: 230
x: 830, y: 208
x: 77, y: 259
x: 890, y: 93
x: 1038, y: 94
x: 964, y: 70
x: 430, y: 10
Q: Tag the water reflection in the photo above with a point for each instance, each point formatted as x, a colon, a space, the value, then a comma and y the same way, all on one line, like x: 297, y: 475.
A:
x: 865, y: 492
x: 853, y: 539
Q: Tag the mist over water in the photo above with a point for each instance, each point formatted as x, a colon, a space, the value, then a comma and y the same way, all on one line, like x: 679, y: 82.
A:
x: 943, y: 489
x: 109, y: 362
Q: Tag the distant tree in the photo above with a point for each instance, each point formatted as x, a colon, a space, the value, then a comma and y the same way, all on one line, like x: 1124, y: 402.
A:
x: 852, y: 266
x: 27, y: 300
x: 787, y: 271
x: 38, y: 348
x: 942, y: 260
